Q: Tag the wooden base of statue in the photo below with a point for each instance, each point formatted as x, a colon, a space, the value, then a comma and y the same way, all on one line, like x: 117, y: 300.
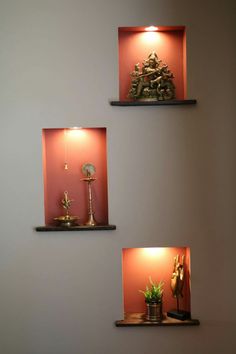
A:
x: 179, y: 314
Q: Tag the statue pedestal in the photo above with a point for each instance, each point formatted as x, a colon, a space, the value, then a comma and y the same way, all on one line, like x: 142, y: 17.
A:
x: 179, y: 315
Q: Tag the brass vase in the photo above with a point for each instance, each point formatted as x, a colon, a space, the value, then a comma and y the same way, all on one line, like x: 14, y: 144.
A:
x: 154, y: 312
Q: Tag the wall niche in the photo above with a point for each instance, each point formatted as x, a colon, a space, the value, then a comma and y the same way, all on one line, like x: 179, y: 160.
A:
x: 65, y: 151
x: 138, y: 265
x: 135, y: 45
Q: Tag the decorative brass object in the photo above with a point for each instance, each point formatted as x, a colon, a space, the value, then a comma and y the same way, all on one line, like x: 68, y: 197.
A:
x: 66, y: 167
x: 153, y: 81
x: 154, y: 312
x: 66, y: 220
x: 88, y: 170
x: 177, y: 284
x: 177, y: 279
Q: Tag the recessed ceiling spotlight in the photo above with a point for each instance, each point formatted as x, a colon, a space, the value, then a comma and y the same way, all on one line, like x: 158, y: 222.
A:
x: 151, y: 29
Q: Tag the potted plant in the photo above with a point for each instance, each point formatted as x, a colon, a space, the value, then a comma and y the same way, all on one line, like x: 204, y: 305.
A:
x: 153, y: 298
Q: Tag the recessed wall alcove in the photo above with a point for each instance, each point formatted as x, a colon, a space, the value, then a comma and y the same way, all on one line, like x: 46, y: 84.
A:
x: 138, y: 264
x: 136, y: 43
x: 65, y: 151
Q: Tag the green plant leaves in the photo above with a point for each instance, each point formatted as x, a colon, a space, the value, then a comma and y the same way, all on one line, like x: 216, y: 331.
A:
x: 154, y: 292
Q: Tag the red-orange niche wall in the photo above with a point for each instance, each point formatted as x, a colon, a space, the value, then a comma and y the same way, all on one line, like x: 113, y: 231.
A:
x: 75, y: 147
x: 135, y: 44
x: 140, y: 263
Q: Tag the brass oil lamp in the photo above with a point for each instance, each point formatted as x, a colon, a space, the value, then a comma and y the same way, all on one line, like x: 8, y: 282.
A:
x: 88, y: 170
x: 66, y: 220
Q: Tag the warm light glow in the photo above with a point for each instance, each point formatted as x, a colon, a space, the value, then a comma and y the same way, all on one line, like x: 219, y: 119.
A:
x: 76, y: 132
x: 151, y: 29
x: 150, y: 38
x: 154, y: 251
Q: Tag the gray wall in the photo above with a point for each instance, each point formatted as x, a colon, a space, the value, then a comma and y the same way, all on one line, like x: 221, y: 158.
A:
x: 171, y: 176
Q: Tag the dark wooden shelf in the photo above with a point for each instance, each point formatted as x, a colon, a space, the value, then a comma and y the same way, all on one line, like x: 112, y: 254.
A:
x: 154, y: 103
x: 138, y: 319
x: 75, y: 228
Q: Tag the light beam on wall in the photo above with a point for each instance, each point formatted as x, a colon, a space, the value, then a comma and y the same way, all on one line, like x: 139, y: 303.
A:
x: 76, y: 132
x: 150, y: 37
x: 153, y: 252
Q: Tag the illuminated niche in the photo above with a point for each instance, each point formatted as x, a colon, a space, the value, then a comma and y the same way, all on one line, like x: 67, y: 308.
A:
x: 138, y: 265
x: 136, y: 43
x: 65, y: 151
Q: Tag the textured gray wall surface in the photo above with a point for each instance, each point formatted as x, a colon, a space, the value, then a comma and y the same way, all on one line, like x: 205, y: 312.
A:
x: 171, y: 176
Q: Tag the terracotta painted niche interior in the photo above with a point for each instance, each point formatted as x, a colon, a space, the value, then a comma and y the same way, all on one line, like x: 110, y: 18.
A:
x: 74, y: 147
x: 136, y: 43
x: 140, y: 263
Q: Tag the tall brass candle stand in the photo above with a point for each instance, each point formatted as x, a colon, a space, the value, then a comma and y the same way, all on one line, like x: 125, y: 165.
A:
x: 88, y: 170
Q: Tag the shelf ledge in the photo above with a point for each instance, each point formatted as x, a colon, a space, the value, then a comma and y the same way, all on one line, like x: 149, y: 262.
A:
x: 154, y: 103
x: 75, y: 228
x: 138, y: 320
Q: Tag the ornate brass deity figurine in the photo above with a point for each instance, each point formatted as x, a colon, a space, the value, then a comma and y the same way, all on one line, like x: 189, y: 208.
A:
x: 177, y: 284
x: 153, y: 81
x: 66, y: 220
x: 88, y: 170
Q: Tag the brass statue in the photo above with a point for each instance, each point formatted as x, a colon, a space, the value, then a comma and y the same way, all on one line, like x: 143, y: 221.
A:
x: 177, y: 278
x: 153, y: 81
x: 66, y: 220
x: 177, y: 284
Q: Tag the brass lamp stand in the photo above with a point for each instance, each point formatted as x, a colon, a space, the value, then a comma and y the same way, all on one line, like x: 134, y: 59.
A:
x: 88, y: 170
x: 66, y: 220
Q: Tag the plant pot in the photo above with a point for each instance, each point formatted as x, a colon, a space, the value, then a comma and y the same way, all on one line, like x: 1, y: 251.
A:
x: 154, y: 312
